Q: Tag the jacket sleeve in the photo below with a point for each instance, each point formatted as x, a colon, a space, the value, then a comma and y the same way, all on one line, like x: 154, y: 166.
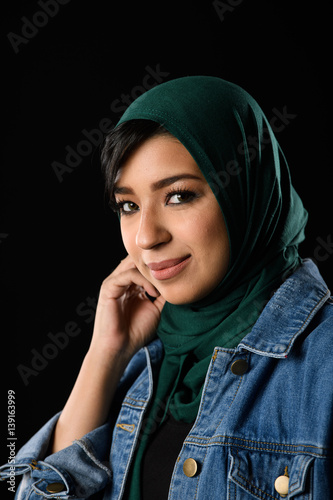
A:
x: 76, y: 472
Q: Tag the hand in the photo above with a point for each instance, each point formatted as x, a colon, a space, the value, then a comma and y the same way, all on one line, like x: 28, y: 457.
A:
x: 125, y: 319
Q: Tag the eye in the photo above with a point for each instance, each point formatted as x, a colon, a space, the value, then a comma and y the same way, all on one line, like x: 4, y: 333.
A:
x: 178, y: 197
x: 126, y: 207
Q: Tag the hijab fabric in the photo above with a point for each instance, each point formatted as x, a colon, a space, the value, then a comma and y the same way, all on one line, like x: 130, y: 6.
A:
x: 232, y: 142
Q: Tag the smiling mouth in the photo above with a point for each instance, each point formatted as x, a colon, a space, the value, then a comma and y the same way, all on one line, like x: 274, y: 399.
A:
x: 168, y: 268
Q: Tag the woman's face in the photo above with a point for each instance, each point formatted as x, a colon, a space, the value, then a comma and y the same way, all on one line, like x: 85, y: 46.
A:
x: 171, y: 223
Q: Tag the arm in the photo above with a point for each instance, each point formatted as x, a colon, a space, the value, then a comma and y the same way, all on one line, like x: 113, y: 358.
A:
x: 125, y: 321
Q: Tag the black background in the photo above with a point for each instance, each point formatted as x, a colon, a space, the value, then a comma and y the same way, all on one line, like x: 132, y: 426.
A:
x: 57, y: 239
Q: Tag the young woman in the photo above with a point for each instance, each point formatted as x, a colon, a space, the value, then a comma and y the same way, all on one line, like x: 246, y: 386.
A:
x: 209, y: 374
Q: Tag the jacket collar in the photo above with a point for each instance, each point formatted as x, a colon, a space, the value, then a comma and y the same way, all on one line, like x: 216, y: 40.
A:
x: 283, y: 319
x: 288, y: 313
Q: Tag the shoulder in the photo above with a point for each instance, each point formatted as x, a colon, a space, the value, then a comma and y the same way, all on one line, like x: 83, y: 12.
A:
x: 318, y: 340
x: 322, y: 323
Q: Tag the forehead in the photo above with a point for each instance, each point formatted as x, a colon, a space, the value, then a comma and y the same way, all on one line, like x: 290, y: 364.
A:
x: 156, y: 158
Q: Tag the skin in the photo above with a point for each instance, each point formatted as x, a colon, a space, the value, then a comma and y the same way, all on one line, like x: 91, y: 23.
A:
x: 160, y: 220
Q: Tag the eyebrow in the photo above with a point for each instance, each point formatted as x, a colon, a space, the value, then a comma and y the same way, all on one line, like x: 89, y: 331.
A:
x: 159, y: 184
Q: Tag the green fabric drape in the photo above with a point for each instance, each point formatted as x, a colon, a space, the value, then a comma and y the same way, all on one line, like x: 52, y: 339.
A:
x: 228, y: 135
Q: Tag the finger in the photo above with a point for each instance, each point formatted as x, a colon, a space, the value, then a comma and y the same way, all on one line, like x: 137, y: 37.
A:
x: 126, y: 263
x: 117, y: 284
x: 159, y: 303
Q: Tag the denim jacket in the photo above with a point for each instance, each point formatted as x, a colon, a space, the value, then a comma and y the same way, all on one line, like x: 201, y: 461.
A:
x: 266, y: 411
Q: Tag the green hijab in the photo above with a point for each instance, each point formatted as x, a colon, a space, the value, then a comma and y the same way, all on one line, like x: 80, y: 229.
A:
x: 228, y: 135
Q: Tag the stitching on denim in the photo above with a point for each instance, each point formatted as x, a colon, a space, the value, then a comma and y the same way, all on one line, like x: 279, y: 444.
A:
x: 174, y: 473
x: 262, y: 442
x: 133, y: 441
x: 137, y: 407
x: 209, y: 377
x: 35, y: 485
x: 63, y: 476
x: 115, y: 436
x: 136, y: 400
x: 126, y: 427
x: 84, y: 444
x: 300, y: 330
x: 237, y: 389
x: 250, y: 490
x: 305, y: 459
x: 204, y: 458
x: 230, y: 483
x: 270, y: 450
x: 201, y: 465
x: 252, y: 487
x: 225, y: 350
x: 202, y: 405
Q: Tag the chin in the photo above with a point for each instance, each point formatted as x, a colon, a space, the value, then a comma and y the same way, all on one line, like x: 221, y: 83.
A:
x: 180, y: 297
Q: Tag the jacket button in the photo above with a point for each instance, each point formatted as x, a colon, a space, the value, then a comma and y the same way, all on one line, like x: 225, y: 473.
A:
x: 281, y: 485
x: 190, y: 467
x: 239, y: 367
x: 55, y: 487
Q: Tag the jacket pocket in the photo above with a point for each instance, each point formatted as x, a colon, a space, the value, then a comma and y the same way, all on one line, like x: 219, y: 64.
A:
x: 254, y: 474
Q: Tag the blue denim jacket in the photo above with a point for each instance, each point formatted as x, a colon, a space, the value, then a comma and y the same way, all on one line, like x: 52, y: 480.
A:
x: 271, y: 416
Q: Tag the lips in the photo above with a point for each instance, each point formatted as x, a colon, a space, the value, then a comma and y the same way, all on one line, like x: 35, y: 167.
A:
x: 168, y: 268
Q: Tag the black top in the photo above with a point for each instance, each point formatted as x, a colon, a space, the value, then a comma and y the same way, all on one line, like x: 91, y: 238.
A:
x: 160, y: 457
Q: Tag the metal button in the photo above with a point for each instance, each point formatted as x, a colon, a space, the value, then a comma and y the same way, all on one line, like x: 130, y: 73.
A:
x: 239, y: 367
x: 281, y: 485
x: 55, y: 487
x: 190, y: 467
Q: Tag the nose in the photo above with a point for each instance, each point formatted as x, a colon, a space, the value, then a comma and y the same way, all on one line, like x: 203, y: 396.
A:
x: 152, y: 230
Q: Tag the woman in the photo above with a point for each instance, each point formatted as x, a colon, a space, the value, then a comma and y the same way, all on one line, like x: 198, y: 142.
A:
x: 233, y: 399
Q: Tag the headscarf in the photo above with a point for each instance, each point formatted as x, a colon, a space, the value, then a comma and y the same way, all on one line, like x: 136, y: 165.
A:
x: 233, y: 144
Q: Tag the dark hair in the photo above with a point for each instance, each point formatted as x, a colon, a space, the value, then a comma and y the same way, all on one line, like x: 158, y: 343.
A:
x: 120, y: 143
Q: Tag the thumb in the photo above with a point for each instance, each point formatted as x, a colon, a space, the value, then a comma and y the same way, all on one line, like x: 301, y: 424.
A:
x: 159, y: 303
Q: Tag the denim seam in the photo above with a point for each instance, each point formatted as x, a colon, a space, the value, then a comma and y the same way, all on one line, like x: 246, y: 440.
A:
x: 299, y: 331
x: 173, y: 474
x: 126, y: 427
x: 233, y: 399
x: 208, y: 380
x: 202, y: 405
x: 301, y: 467
x: 261, y: 442
x: 204, y: 394
x: 87, y: 449
x: 134, y: 399
x: 133, y: 443
x: 42, y: 495
x: 137, y: 407
x: 230, y: 483
x: 116, y: 429
x: 203, y: 461
x: 252, y: 487
x: 270, y: 450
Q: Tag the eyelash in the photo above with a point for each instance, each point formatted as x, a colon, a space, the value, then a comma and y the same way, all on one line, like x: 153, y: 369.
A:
x: 118, y: 206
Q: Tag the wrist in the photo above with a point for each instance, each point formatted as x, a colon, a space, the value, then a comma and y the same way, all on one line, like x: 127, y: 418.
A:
x: 106, y: 358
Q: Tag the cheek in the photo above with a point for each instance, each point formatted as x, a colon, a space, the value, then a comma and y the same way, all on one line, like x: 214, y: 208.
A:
x: 214, y: 242
x: 128, y: 235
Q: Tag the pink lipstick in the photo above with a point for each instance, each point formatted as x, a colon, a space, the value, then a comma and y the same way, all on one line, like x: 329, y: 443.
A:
x: 168, y: 268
